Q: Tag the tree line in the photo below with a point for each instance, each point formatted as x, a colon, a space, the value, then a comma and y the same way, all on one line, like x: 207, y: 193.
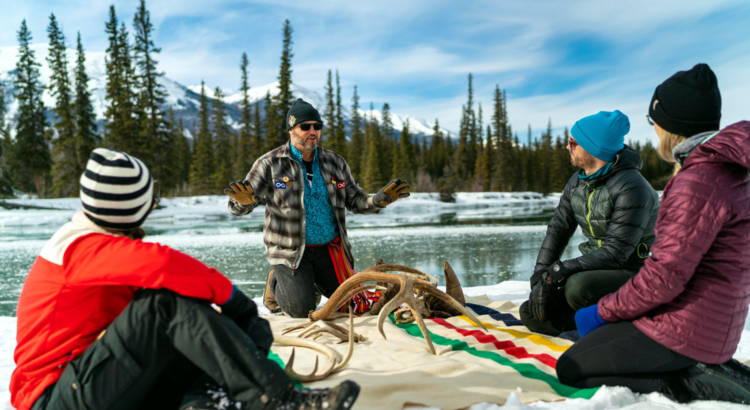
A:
x: 48, y: 159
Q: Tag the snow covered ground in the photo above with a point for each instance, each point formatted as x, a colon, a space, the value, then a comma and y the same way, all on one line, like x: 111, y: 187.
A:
x: 515, y: 291
x: 182, y: 218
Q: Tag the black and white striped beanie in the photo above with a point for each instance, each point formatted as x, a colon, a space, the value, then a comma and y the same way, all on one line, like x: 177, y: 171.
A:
x: 116, y: 190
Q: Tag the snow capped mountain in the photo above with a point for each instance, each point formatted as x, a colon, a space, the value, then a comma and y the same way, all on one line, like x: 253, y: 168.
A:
x: 184, y: 100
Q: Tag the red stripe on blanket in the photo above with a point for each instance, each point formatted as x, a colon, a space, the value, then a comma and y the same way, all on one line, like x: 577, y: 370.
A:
x: 506, y: 346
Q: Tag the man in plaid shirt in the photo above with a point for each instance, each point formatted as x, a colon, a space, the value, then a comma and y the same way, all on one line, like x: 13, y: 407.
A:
x: 307, y: 191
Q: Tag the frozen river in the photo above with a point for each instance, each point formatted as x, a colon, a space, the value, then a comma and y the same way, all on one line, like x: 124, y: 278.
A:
x: 487, y: 238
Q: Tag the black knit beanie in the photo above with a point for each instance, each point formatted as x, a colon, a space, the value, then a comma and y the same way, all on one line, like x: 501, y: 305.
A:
x: 688, y: 102
x: 300, y: 111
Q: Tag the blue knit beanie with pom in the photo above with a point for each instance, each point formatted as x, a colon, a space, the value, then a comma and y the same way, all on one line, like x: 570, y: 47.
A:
x: 602, y: 135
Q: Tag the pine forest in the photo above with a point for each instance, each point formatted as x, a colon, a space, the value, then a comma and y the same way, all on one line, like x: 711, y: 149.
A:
x: 47, y: 159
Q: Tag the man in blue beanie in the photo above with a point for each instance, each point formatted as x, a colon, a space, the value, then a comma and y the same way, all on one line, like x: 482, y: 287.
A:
x: 616, y: 209
x: 307, y: 190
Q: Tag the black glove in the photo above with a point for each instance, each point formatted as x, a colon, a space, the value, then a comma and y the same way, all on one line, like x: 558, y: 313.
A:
x: 242, y: 310
x: 557, y: 273
x: 541, y: 299
x: 396, y: 189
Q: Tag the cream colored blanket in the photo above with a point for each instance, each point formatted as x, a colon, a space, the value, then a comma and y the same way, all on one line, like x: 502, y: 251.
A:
x: 472, y: 366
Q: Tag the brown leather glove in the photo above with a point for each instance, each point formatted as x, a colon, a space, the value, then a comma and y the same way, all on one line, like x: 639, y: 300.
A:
x: 396, y: 189
x: 241, y: 192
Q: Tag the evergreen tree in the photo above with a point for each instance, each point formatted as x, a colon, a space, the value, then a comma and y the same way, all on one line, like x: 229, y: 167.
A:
x: 257, y: 141
x: 86, y: 132
x: 270, y: 141
x: 340, y: 126
x: 121, y: 127
x: 544, y: 160
x: 202, y: 164
x: 276, y: 130
x: 388, y: 144
x: 155, y: 142
x: 470, y: 129
x: 506, y: 170
x: 65, y: 172
x: 404, y: 163
x: 483, y: 171
x: 329, y: 116
x: 529, y: 174
x: 356, y: 140
x: 179, y: 157
x: 372, y: 176
x: 436, y: 155
x: 245, y: 149
x: 461, y: 156
x: 6, y: 182
x: 31, y: 157
x: 222, y: 146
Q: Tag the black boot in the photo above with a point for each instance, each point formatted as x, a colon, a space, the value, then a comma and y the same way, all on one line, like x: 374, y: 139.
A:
x: 725, y: 382
x: 341, y: 397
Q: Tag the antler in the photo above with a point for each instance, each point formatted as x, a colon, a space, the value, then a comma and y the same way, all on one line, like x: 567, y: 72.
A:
x: 332, y: 355
x: 408, y: 284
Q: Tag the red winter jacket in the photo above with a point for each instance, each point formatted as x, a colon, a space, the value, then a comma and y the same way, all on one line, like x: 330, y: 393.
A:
x: 82, y: 280
x: 692, y: 294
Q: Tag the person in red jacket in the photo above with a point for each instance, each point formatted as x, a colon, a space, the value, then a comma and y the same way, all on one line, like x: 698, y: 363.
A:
x: 107, y: 321
x: 674, y: 327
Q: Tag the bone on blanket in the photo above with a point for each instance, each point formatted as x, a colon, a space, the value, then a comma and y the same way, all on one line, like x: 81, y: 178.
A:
x: 470, y: 367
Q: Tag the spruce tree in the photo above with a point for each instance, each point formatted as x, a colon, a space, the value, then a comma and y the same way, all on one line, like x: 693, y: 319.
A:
x: 31, y: 155
x: 6, y: 182
x: 545, y: 160
x: 222, y: 146
x: 507, y: 166
x: 179, y: 157
x: 436, y: 153
x: 120, y: 123
x: 329, y: 116
x: 156, y: 143
x: 257, y: 141
x: 356, y: 139
x: 202, y: 164
x: 245, y: 149
x: 387, y: 143
x: 276, y: 130
x: 339, y: 118
x: 270, y: 136
x: 86, y: 132
x: 372, y: 175
x: 65, y: 172
x: 404, y: 162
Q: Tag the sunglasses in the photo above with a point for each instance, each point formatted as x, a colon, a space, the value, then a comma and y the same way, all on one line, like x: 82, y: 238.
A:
x: 573, y: 144
x: 650, y: 121
x: 306, y: 127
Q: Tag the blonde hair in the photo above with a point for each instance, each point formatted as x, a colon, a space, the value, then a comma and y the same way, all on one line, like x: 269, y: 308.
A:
x: 667, y: 142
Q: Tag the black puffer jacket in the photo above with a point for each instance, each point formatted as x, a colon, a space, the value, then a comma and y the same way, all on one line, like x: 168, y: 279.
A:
x: 616, y: 212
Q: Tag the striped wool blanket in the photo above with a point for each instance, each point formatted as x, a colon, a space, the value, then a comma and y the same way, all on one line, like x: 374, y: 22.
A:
x: 472, y: 366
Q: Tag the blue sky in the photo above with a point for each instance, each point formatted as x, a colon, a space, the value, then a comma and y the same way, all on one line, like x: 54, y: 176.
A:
x: 556, y: 60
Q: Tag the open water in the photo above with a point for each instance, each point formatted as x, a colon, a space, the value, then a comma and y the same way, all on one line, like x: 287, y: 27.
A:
x: 485, y: 245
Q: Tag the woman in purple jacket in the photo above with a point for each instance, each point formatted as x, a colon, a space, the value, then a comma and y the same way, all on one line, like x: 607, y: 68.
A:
x: 674, y: 327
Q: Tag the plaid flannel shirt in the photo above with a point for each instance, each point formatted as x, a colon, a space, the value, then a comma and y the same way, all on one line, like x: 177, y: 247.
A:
x: 281, y: 180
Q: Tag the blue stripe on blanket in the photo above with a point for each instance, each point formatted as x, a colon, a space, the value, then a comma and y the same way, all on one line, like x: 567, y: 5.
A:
x: 506, y: 318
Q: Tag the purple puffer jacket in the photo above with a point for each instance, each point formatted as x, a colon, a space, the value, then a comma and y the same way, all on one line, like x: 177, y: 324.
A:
x: 692, y: 294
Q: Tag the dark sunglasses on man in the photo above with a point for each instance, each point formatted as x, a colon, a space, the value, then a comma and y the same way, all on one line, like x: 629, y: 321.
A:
x: 316, y: 126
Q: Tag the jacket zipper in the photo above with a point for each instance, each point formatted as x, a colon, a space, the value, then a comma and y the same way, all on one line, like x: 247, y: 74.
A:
x: 588, y: 218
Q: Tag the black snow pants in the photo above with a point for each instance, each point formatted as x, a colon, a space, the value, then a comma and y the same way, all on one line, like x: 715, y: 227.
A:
x: 581, y: 290
x: 295, y: 289
x: 157, y: 347
x: 618, y: 354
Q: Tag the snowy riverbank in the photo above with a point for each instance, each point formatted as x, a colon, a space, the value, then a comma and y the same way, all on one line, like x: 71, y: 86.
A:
x: 514, y: 291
